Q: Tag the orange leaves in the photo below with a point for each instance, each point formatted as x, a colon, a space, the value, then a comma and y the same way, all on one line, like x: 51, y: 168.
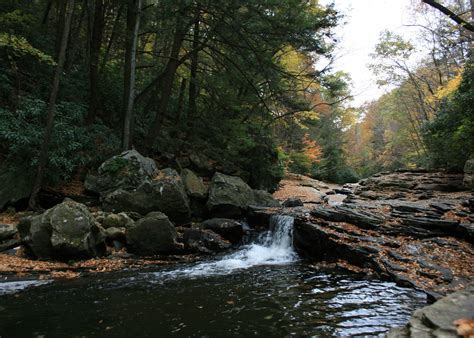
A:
x: 311, y: 149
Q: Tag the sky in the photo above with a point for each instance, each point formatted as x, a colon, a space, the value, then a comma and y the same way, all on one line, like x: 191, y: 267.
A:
x: 365, y: 19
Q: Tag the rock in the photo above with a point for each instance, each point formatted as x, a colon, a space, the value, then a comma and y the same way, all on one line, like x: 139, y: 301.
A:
x: 229, y: 196
x: 230, y: 229
x: 293, y: 202
x: 16, y: 185
x: 204, y: 241
x: 67, y: 231
x: 262, y: 198
x: 127, y: 170
x: 437, y: 320
x: 74, y: 232
x: 468, y: 180
x: 151, y: 235
x: 120, y: 220
x: 165, y: 193
x: 9, y: 244
x: 442, y: 207
x: 115, y: 234
x: 202, y: 164
x: 7, y: 231
x: 360, y: 218
x: 35, y: 232
x: 193, y: 184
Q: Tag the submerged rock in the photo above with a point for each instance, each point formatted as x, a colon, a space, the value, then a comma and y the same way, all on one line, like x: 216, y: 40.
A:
x: 151, y: 235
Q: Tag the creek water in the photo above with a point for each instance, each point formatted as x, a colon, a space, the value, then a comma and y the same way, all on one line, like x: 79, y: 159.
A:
x: 262, y: 289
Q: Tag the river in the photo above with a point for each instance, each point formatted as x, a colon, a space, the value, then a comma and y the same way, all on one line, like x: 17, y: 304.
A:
x: 263, y: 289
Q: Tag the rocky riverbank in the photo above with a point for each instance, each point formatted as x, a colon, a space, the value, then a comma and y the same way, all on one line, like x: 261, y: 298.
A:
x: 133, y: 215
x: 415, y: 228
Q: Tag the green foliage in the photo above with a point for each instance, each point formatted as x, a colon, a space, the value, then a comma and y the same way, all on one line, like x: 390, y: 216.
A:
x: 450, y: 137
x: 18, y: 46
x: 21, y: 135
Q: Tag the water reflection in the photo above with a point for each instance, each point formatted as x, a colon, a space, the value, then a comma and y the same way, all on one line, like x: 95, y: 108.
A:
x: 270, y: 301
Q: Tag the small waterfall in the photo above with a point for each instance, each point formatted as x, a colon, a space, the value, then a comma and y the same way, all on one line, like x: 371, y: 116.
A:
x: 273, y: 247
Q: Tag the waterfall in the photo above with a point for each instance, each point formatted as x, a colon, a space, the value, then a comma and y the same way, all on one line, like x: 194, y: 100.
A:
x: 273, y: 247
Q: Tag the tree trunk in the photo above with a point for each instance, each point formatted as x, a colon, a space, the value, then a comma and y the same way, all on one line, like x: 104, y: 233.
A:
x: 179, y: 110
x: 133, y: 22
x: 111, y: 39
x: 60, y: 24
x: 95, y: 44
x: 75, y: 37
x: 194, y: 65
x: 168, y: 78
x: 43, y: 157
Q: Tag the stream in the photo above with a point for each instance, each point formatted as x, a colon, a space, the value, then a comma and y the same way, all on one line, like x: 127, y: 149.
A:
x: 263, y: 289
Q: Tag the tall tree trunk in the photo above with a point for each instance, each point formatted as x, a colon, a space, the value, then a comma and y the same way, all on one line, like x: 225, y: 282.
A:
x: 33, y: 203
x: 194, y: 65
x: 75, y: 38
x: 168, y: 78
x: 179, y: 110
x: 60, y: 24
x: 95, y: 44
x: 133, y: 22
x: 111, y: 39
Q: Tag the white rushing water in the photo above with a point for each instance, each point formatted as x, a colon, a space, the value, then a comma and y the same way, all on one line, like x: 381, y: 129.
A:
x: 16, y: 286
x: 272, y: 248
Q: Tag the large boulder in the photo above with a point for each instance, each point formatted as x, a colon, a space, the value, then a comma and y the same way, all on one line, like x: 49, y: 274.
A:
x: 202, y: 164
x: 230, y: 229
x: 127, y: 170
x: 229, y: 196
x: 193, y: 184
x: 204, y: 241
x: 164, y: 193
x: 151, y: 235
x: 67, y: 231
x: 468, y: 181
x: 120, y: 220
x: 441, y: 318
x: 35, y: 232
x: 263, y: 198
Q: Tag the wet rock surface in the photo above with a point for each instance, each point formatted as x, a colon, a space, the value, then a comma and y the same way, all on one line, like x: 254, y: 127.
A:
x: 415, y: 228
x: 440, y: 318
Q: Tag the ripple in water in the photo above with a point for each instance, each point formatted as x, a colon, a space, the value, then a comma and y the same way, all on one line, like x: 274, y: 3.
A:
x: 260, y: 290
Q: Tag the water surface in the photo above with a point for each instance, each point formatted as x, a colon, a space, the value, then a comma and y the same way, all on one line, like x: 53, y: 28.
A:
x: 260, y: 290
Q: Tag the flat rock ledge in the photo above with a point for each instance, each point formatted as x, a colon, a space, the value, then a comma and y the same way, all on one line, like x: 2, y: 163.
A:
x: 413, y: 228
x: 448, y: 317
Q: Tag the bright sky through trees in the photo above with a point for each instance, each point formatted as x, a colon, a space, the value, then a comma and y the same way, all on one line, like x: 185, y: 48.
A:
x: 365, y: 19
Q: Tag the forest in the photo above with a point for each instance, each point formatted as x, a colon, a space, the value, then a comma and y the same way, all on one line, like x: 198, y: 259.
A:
x: 206, y: 168
x: 235, y: 82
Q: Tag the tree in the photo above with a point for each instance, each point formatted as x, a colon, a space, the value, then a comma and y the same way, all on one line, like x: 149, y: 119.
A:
x: 453, y: 16
x: 43, y: 158
x: 133, y: 23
